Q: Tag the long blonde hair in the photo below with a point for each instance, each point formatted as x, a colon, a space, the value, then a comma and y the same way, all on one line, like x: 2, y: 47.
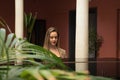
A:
x: 47, y: 37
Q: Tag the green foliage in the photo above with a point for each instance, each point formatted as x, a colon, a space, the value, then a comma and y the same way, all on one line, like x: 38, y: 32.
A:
x: 4, y: 24
x: 29, y: 21
x: 49, y: 66
x: 95, y: 42
x: 52, y: 74
x: 28, y: 53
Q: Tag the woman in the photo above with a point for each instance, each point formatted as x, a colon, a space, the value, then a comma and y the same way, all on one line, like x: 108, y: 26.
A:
x: 51, y: 43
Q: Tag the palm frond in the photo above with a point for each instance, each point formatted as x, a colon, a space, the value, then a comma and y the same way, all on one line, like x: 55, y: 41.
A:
x: 29, y: 21
x: 4, y: 24
x: 9, y: 39
x: 2, y: 41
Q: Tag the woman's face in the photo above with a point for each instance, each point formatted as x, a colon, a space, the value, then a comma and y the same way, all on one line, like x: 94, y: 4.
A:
x: 53, y: 38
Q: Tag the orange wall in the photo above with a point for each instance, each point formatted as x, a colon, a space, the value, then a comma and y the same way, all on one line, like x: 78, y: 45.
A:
x: 107, y: 25
x: 7, y: 12
x: 56, y: 14
x: 59, y: 17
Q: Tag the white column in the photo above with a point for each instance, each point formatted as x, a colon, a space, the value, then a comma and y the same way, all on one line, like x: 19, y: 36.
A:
x: 81, y: 51
x: 19, y: 14
x: 19, y: 18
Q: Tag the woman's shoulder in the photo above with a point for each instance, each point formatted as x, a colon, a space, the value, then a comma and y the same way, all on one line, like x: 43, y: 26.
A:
x: 62, y: 52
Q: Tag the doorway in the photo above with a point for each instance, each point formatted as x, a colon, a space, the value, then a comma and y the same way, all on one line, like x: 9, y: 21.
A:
x: 38, y: 33
x: 72, y: 30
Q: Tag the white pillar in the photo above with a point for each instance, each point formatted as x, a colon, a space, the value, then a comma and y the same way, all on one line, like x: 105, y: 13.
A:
x: 81, y: 48
x: 19, y: 15
x: 19, y: 18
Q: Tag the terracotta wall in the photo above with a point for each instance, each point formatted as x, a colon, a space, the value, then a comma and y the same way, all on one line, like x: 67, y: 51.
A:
x: 107, y: 25
x: 107, y: 28
x: 56, y: 14
x: 7, y: 12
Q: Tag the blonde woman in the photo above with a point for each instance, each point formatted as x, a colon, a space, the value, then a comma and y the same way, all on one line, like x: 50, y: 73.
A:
x: 51, y: 43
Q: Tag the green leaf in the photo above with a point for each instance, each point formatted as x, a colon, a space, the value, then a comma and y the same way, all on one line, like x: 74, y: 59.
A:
x: 2, y: 22
x: 47, y: 74
x: 32, y: 74
x: 29, y: 18
x: 2, y: 42
x: 2, y: 34
x: 13, y: 43
x: 25, y: 20
x: 9, y: 39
